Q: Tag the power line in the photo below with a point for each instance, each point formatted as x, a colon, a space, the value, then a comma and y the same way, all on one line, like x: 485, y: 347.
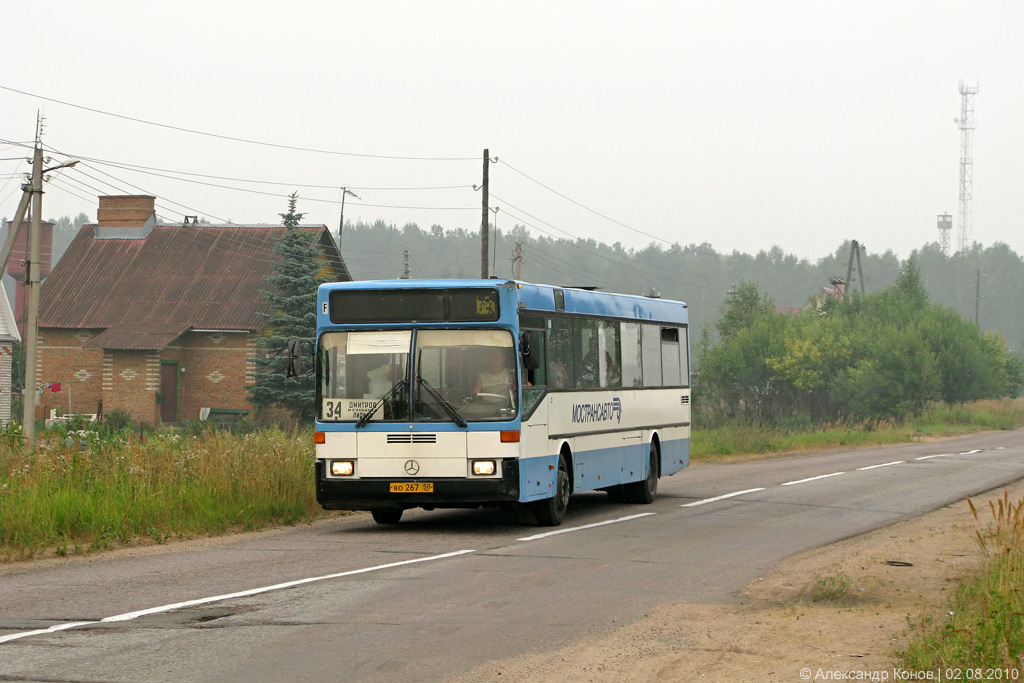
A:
x: 584, y: 207
x: 230, y: 137
x: 138, y: 167
x: 640, y: 266
x: 270, y: 194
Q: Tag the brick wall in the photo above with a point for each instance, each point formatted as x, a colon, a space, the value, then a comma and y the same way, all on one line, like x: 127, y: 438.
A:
x: 218, y: 369
x: 61, y: 358
x: 128, y: 386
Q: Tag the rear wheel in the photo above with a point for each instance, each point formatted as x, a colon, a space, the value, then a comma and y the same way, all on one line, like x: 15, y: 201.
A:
x: 644, y: 492
x: 387, y: 515
x: 551, y: 511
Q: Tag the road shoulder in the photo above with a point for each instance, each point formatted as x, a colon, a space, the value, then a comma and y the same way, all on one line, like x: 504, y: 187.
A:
x: 849, y: 606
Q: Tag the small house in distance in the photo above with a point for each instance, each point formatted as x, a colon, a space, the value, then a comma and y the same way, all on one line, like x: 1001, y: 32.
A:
x: 158, y: 320
x: 8, y: 336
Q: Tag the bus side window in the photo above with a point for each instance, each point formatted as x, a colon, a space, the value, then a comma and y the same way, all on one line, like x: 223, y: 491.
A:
x: 650, y: 342
x: 531, y: 351
x: 611, y: 371
x: 630, y: 335
x: 560, y: 368
x: 585, y: 340
x: 670, y: 356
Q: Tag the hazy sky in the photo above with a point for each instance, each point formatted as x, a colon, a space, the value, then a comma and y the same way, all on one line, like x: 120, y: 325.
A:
x: 742, y: 124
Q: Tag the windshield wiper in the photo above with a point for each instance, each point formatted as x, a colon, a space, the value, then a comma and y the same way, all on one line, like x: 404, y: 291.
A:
x: 376, y: 406
x: 448, y: 408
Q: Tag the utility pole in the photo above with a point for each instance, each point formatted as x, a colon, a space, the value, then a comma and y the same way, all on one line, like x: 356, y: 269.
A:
x: 341, y: 221
x: 977, y: 294
x: 849, y: 271
x: 484, y: 269
x: 32, y: 272
x: 405, y: 270
x: 860, y: 272
x: 517, y: 262
x: 854, y: 253
x: 33, y: 190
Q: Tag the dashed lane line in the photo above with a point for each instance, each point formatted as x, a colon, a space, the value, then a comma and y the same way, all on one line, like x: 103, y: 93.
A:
x: 717, y: 498
x: 803, y: 481
x: 884, y: 464
x: 128, y: 616
x: 586, y: 526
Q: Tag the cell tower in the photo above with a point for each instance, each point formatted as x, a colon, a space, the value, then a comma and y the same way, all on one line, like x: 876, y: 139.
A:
x: 966, y: 124
x: 945, y: 226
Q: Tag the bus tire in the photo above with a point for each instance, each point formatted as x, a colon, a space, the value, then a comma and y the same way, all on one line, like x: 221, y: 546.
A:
x: 644, y: 492
x: 551, y: 511
x: 387, y: 515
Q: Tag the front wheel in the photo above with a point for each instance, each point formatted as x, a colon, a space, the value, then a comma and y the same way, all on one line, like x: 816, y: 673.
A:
x: 551, y: 511
x: 387, y: 515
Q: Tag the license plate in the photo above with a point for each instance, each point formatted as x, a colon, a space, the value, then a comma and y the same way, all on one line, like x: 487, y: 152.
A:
x: 412, y: 487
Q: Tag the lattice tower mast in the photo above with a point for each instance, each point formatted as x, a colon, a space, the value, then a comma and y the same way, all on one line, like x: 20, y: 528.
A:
x: 945, y: 226
x: 966, y: 124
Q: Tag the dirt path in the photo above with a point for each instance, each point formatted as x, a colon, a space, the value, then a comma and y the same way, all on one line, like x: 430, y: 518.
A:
x: 789, y: 623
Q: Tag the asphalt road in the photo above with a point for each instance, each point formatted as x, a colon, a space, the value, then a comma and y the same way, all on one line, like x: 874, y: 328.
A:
x: 448, y: 590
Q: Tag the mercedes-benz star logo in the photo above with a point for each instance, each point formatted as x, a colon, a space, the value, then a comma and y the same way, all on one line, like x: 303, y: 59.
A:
x: 412, y: 468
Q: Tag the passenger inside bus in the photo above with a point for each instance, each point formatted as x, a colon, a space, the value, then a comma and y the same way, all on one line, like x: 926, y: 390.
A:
x: 495, y: 378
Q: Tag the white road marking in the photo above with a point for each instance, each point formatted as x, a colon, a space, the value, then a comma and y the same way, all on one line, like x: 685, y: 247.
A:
x: 976, y: 450
x: 884, y: 464
x: 940, y: 455
x: 52, y: 629
x: 128, y: 616
x: 820, y: 476
x: 287, y: 584
x: 586, y: 526
x: 717, y: 498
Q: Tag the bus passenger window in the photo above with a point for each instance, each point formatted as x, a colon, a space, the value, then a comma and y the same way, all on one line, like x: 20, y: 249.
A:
x: 650, y: 342
x: 585, y: 340
x: 670, y: 356
x: 611, y: 373
x: 560, y: 373
x: 630, y: 334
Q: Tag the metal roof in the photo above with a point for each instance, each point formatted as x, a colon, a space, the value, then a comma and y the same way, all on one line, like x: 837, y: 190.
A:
x: 146, y: 292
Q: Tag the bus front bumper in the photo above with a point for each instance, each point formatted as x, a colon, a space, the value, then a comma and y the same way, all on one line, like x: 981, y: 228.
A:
x: 374, y: 494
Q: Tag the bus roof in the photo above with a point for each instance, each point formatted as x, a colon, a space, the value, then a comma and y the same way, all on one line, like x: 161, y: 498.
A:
x: 543, y: 298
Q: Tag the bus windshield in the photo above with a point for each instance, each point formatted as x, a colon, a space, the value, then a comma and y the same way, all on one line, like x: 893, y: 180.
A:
x: 456, y: 375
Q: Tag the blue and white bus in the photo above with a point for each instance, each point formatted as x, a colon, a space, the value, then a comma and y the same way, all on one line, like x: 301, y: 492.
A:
x: 465, y: 393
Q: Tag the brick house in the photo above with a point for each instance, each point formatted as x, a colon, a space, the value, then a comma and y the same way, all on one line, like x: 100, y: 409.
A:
x: 161, y: 321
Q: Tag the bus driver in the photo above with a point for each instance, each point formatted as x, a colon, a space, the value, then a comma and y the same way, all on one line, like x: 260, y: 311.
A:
x: 496, y: 378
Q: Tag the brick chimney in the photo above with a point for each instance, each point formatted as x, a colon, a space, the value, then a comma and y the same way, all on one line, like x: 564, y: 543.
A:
x: 125, y: 211
x: 125, y: 217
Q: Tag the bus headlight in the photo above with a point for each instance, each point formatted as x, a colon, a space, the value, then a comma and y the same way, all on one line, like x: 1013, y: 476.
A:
x: 483, y: 467
x: 342, y: 468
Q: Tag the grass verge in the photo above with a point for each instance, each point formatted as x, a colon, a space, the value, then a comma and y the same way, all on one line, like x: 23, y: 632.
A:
x: 984, y: 628
x: 79, y: 491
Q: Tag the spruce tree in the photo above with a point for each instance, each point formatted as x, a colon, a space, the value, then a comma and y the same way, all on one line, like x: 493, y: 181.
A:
x: 292, y: 301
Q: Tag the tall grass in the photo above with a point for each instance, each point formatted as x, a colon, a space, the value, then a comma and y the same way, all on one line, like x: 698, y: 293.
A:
x: 78, y: 491
x: 985, y: 627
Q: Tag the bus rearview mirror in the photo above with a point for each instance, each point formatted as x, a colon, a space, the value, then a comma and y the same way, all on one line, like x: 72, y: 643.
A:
x: 294, y: 350
x: 529, y: 349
